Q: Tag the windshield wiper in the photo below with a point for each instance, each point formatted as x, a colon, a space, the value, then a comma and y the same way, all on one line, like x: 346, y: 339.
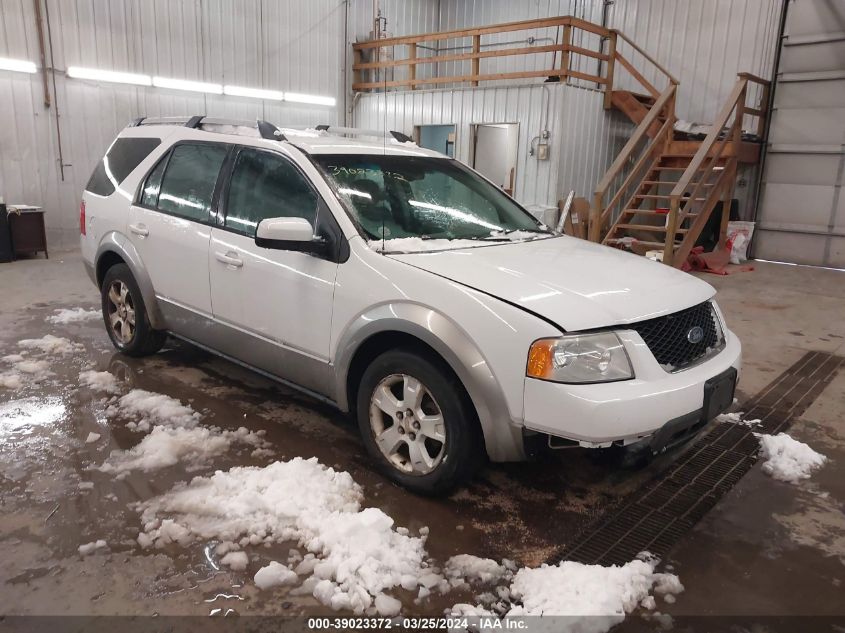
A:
x: 501, y: 236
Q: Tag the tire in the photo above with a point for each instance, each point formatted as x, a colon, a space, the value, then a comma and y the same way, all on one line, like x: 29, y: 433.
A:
x: 443, y: 464
x: 121, y: 301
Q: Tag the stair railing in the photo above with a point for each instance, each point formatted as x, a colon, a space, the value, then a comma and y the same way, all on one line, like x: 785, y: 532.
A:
x: 643, y: 157
x: 710, y: 165
x: 640, y: 153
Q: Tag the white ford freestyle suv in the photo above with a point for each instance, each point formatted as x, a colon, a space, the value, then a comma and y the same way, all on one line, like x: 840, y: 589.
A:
x: 401, y: 286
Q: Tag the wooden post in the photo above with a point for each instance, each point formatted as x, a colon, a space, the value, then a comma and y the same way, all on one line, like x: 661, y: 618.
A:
x: 412, y: 67
x: 564, y: 55
x: 671, y: 229
x: 476, y: 65
x: 764, y: 108
x: 357, y: 75
x: 595, y: 218
x: 727, y: 196
x: 611, y: 62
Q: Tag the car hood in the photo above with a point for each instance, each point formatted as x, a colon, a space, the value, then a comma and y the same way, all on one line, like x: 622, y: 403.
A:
x: 576, y: 284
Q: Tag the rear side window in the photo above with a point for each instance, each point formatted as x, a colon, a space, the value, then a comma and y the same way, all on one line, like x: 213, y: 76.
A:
x: 124, y: 155
x: 189, y: 181
x: 265, y: 185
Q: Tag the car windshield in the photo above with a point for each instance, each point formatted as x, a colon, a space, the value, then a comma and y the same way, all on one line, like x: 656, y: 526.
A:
x: 406, y: 203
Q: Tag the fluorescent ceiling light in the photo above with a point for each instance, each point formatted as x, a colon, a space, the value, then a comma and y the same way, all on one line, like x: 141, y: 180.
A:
x: 254, y: 93
x: 300, y: 98
x: 18, y: 65
x: 181, y: 84
x: 95, y: 74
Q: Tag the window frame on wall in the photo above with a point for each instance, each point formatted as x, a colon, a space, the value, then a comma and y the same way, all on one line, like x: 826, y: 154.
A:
x: 212, y: 214
x: 418, y: 136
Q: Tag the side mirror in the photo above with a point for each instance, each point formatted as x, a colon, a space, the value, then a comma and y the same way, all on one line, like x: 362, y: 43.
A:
x: 289, y: 234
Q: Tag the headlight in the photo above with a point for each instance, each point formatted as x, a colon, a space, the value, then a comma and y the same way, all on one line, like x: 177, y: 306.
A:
x: 579, y: 358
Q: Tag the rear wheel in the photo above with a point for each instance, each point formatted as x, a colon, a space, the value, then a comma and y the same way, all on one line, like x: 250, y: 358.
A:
x: 417, y: 422
x: 125, y: 314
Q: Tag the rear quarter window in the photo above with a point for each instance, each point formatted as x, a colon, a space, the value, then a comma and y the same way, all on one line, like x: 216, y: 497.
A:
x: 124, y: 155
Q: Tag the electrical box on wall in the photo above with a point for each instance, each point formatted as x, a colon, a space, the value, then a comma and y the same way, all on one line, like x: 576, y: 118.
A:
x: 542, y: 151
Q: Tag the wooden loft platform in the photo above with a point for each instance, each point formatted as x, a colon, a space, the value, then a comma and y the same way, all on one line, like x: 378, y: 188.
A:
x: 631, y: 206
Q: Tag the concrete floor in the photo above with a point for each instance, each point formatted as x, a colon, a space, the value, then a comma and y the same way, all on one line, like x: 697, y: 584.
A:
x: 768, y: 548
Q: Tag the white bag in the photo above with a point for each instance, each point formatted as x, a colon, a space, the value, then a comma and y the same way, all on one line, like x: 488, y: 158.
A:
x: 739, y: 236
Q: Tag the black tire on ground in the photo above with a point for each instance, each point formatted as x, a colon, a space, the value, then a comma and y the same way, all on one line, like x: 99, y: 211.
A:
x: 464, y: 445
x: 144, y: 340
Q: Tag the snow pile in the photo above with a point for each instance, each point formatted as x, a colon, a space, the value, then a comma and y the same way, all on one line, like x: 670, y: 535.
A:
x: 50, y: 344
x: 23, y: 370
x: 788, y: 459
x: 355, y: 555
x: 89, y: 548
x: 575, y: 589
x: 92, y: 437
x: 166, y: 446
x: 10, y: 380
x: 73, y: 315
x: 236, y: 561
x: 736, y: 418
x: 595, y: 598
x: 275, y: 574
x: 153, y: 409
x: 470, y: 568
x: 99, y: 381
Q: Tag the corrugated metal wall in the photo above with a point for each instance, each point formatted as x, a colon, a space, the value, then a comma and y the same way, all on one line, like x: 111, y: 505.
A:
x: 299, y: 47
x: 584, y: 138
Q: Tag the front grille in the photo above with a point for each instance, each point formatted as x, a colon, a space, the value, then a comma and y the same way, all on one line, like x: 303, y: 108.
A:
x: 667, y: 336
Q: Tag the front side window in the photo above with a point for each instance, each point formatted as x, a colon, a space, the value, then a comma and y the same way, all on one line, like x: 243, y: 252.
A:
x: 400, y: 197
x: 265, y: 185
x: 188, y: 184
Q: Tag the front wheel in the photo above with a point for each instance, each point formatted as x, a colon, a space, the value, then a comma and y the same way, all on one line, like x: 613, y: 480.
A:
x: 417, y: 422
x: 125, y: 314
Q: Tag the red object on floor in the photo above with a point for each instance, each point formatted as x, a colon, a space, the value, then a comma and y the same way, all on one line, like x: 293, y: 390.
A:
x: 717, y: 262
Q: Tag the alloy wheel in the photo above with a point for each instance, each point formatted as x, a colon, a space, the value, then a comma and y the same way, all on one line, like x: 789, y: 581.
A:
x: 407, y: 424
x: 121, y: 312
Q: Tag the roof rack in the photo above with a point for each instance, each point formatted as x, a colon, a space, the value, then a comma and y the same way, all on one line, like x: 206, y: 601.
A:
x: 265, y: 129
x: 354, y: 131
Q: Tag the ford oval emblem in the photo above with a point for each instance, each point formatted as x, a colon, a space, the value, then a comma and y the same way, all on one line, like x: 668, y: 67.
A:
x: 695, y: 335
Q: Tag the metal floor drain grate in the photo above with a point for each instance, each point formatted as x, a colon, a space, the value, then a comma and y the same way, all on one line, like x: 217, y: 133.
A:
x: 658, y: 514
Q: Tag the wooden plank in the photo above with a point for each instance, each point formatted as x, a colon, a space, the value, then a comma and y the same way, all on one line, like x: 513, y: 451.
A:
x: 506, y: 27
x: 647, y: 227
x: 588, y: 53
x: 637, y: 75
x: 436, y: 59
x: 464, y: 78
x: 754, y: 78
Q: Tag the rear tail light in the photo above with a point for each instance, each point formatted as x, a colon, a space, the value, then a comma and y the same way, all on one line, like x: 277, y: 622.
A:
x: 82, y: 217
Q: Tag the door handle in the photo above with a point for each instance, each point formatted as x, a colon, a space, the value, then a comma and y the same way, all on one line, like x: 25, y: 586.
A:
x: 230, y: 259
x: 139, y: 229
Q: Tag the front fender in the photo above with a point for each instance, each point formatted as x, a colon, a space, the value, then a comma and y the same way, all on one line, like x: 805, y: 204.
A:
x: 502, y: 437
x: 117, y: 243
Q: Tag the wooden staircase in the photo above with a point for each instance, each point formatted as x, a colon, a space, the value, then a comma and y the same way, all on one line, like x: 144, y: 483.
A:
x: 661, y: 191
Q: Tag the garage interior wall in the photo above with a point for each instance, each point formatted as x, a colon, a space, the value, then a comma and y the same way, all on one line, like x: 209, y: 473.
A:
x: 801, y: 217
x: 294, y: 46
x: 703, y: 43
x: 303, y: 47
